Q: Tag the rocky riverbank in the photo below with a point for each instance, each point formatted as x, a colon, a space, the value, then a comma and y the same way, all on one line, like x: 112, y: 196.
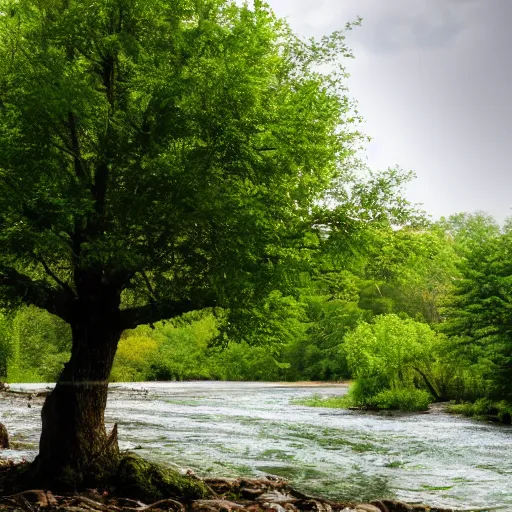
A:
x: 225, y: 495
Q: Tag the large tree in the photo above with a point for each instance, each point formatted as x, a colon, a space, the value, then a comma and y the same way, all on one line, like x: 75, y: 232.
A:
x: 156, y: 157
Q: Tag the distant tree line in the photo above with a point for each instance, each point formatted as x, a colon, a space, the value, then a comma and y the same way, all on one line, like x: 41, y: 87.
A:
x: 413, y: 315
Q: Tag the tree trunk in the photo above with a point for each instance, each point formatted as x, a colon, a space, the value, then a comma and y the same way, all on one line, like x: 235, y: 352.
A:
x: 75, y: 448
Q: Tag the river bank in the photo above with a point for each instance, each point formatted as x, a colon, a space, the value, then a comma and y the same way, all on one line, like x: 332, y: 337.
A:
x: 225, y: 495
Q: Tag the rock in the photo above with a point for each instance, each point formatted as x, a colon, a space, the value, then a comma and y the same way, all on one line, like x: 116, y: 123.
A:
x: 37, y: 498
x: 400, y: 506
x: 4, y: 437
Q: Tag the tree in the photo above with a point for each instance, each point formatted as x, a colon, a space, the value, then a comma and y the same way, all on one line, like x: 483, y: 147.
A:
x: 469, y: 230
x: 409, y: 271
x: 156, y: 157
x: 479, y: 313
x: 390, y: 354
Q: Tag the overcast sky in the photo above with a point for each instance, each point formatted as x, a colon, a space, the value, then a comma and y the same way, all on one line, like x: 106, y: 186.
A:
x: 433, y: 79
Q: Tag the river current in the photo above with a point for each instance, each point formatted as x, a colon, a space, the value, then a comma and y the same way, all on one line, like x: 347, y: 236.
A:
x: 230, y: 429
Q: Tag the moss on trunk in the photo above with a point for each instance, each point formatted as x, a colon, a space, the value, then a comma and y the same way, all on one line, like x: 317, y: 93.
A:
x: 147, y: 481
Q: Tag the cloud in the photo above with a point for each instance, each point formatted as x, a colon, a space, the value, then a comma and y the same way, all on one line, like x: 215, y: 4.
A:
x: 434, y: 82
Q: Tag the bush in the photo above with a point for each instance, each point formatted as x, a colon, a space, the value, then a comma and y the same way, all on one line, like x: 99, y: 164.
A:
x: 485, y: 409
x: 39, y: 346
x: 398, y: 352
x: 404, y: 399
x: 363, y: 390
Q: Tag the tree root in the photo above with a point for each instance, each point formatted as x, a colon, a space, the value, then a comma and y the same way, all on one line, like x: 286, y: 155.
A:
x: 138, y: 480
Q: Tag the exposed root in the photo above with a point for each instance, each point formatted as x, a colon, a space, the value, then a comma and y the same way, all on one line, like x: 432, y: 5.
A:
x: 181, y: 493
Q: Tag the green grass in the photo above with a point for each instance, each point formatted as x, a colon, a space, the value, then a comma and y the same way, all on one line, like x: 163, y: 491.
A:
x: 402, y: 399
x: 277, y: 455
x: 333, y: 402
x: 395, y: 464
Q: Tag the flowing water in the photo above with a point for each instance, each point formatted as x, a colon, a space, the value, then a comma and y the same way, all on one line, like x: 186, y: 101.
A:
x: 219, y: 428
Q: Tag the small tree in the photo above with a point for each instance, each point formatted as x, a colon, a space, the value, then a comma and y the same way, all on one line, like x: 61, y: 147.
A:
x: 390, y: 354
x: 156, y: 157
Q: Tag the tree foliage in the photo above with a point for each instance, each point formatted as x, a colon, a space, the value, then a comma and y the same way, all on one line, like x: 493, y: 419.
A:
x: 479, y: 313
x: 390, y: 353
x: 144, y: 141
x: 158, y: 157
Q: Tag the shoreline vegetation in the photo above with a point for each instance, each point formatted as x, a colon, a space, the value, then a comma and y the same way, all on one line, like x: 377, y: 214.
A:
x: 481, y: 410
x: 401, y: 400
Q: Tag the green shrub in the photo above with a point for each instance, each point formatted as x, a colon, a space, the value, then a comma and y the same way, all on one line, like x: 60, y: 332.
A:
x: 363, y: 390
x: 485, y: 409
x: 17, y: 373
x: 403, y: 399
x: 38, y: 345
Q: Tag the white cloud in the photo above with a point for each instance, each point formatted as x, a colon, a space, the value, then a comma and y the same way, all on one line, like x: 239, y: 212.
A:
x: 433, y: 80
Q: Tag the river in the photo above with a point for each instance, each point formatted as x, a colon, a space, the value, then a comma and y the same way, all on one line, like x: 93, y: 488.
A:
x: 221, y: 428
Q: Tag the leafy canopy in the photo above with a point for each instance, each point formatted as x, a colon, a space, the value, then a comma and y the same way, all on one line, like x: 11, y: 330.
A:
x: 177, y: 152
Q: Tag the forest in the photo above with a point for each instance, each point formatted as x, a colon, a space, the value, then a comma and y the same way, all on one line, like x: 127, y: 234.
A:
x: 183, y: 195
x: 411, y: 315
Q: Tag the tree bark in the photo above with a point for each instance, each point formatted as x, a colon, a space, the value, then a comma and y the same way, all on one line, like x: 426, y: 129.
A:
x: 74, y: 447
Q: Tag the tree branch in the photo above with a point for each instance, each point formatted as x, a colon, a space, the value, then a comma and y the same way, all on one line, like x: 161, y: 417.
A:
x: 151, y: 313
x: 36, y: 292
x: 151, y: 291
x: 79, y: 171
x: 52, y: 274
x: 65, y: 150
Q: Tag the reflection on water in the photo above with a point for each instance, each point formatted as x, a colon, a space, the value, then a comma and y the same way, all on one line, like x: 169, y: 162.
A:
x: 252, y: 429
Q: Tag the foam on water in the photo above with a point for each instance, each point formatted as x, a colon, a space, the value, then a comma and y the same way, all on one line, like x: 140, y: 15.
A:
x: 219, y: 428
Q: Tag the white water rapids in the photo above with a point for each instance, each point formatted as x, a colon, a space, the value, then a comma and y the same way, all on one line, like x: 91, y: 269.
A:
x: 229, y: 429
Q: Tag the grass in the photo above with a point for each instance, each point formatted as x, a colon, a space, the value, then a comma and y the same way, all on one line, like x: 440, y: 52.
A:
x: 395, y: 464
x: 333, y: 402
x: 277, y: 455
x: 402, y: 399
x: 437, y: 488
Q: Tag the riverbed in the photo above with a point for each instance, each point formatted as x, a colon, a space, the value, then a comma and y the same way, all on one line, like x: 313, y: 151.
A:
x: 229, y: 429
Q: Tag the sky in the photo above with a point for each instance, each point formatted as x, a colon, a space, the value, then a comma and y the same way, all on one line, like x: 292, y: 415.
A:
x: 433, y: 81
